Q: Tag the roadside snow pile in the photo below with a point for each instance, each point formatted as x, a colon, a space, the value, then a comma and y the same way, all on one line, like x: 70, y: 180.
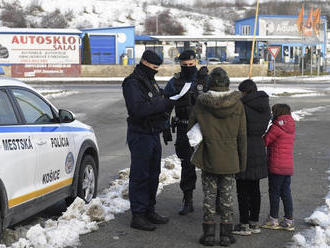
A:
x: 54, y: 93
x: 300, y: 114
x: 319, y: 235
x: 274, y: 90
x: 81, y: 218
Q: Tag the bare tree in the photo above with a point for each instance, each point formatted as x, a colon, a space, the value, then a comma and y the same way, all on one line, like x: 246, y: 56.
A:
x: 13, y: 15
x: 54, y: 20
x: 163, y: 24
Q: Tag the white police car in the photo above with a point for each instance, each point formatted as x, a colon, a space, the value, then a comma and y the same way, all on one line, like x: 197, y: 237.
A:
x: 46, y: 155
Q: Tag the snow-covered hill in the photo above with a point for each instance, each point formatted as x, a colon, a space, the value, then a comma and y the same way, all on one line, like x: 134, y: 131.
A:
x: 106, y: 13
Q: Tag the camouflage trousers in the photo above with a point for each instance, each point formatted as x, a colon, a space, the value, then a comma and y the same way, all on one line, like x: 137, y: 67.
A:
x: 214, y: 184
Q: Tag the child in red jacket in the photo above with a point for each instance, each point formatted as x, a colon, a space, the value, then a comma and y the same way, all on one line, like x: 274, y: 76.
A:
x: 279, y: 142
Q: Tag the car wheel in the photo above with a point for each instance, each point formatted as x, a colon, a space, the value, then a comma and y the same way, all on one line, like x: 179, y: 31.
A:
x: 87, y: 181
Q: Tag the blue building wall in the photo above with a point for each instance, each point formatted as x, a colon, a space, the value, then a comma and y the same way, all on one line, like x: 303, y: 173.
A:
x: 242, y: 22
x: 244, y: 48
x: 125, y: 40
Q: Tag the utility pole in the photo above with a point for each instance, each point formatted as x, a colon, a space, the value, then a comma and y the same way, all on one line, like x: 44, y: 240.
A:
x: 254, y: 39
x: 156, y: 24
x: 303, y: 47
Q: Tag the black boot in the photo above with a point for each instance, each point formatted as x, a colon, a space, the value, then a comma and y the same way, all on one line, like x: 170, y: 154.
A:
x: 208, y: 237
x: 226, y: 235
x: 139, y: 221
x: 187, y: 203
x: 155, y: 218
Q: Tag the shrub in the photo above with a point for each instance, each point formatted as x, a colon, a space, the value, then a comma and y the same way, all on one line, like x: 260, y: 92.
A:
x: 163, y: 24
x: 54, y: 20
x: 13, y: 15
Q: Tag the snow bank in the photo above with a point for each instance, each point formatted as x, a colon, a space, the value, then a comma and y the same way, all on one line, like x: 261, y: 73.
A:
x: 80, y: 218
x: 317, y: 236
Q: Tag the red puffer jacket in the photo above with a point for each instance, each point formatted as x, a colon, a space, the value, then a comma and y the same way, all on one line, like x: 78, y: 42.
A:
x: 279, y: 141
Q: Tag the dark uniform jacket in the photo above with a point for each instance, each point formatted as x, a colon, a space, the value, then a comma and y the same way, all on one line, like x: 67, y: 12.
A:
x: 183, y: 105
x: 146, y: 105
x: 222, y: 121
x: 257, y: 111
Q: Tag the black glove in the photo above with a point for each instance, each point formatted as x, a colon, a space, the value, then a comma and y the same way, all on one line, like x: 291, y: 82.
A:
x: 202, y: 73
x: 167, y: 136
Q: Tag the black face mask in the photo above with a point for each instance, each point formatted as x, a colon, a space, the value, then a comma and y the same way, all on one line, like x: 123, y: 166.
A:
x: 150, y: 73
x: 188, y: 72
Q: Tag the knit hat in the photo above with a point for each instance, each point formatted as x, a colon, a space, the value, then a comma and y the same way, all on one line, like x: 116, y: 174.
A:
x: 218, y: 80
x: 152, y: 57
x: 248, y: 86
x: 187, y: 55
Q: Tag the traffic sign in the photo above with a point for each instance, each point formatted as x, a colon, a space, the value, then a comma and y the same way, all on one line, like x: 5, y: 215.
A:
x: 274, y: 50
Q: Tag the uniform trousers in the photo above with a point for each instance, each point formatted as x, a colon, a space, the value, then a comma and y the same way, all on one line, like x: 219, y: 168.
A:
x: 144, y: 171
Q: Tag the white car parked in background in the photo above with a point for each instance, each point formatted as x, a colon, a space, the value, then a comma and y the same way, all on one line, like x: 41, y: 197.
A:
x: 46, y: 155
x: 213, y: 61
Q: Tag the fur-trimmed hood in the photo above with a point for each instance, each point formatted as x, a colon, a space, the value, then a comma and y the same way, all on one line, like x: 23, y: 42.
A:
x: 220, y: 103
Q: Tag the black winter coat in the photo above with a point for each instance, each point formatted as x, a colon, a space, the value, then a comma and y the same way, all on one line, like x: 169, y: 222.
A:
x: 257, y: 111
x: 148, y: 109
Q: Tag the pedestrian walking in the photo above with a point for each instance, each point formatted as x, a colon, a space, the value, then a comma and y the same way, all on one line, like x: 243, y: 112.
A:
x: 279, y: 141
x: 148, y: 115
x: 221, y: 154
x: 196, y: 81
x: 257, y: 111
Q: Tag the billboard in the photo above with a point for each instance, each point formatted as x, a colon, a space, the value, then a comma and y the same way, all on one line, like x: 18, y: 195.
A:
x: 39, y: 49
x: 284, y: 26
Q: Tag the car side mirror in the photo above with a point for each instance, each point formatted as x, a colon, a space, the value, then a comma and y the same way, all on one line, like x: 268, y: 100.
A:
x: 66, y: 116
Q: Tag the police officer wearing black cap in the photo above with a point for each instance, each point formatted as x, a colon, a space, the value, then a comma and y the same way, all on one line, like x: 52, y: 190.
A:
x: 183, y: 106
x: 148, y: 115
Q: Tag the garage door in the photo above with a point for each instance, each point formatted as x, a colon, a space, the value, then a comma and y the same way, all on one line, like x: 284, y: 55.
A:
x: 103, y: 49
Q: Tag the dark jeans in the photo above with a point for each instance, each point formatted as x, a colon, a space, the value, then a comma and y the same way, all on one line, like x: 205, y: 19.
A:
x: 248, y: 195
x: 279, y: 187
x: 145, y: 169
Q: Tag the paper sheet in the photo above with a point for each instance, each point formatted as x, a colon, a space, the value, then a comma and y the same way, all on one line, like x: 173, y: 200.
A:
x: 195, y: 135
x: 183, y: 91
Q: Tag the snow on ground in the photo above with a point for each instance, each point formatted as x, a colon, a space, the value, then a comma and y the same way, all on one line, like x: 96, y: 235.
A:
x: 100, y: 13
x: 300, y: 114
x: 319, y: 235
x: 54, y: 93
x: 80, y: 218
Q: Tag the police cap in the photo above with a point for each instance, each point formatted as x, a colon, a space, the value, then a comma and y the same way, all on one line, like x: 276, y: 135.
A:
x: 187, y: 55
x: 152, y: 57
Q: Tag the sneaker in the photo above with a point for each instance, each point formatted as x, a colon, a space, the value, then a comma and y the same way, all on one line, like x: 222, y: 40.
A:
x: 242, y: 229
x: 271, y: 223
x: 287, y: 224
x: 254, y: 227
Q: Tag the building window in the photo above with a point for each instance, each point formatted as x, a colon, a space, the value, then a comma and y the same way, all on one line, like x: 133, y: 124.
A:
x: 246, y: 30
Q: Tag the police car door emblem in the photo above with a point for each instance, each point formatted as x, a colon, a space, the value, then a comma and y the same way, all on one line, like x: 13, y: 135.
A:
x: 150, y: 94
x: 199, y: 87
x: 69, y: 163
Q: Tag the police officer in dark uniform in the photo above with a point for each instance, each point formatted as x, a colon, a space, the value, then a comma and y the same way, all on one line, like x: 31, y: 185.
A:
x: 148, y: 115
x: 183, y: 106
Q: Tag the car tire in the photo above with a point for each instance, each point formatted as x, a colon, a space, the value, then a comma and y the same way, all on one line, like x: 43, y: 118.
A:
x: 87, y: 181
x: 87, y: 161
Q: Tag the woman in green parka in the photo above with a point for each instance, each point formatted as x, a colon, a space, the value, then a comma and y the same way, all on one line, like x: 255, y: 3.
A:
x: 221, y: 154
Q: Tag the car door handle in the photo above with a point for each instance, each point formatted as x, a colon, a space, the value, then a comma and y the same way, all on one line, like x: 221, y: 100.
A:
x: 41, y: 143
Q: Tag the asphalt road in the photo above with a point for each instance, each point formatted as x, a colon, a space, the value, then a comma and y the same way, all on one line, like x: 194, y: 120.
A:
x: 102, y: 106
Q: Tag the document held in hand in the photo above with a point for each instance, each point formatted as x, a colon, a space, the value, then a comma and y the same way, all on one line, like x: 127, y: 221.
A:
x: 183, y: 91
x: 195, y: 135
